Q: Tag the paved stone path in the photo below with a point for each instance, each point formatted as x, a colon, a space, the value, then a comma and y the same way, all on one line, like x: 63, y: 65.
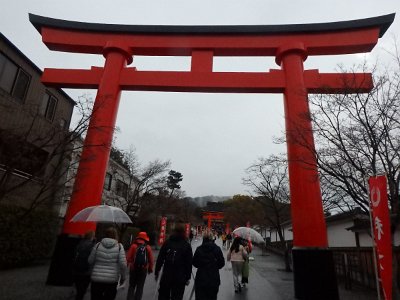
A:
x: 257, y: 285
x: 267, y: 281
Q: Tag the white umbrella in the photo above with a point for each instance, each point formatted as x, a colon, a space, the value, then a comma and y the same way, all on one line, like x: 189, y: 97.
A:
x: 249, y: 233
x: 102, y: 214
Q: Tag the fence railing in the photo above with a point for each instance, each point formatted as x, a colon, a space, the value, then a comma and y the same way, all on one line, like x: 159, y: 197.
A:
x: 353, y: 266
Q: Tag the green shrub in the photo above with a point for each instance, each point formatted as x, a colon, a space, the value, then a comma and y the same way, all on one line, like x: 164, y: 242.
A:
x: 25, y: 237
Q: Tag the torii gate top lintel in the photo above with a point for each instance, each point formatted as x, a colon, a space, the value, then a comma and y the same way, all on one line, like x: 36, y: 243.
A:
x: 382, y: 22
x: 344, y: 37
x: 203, y: 43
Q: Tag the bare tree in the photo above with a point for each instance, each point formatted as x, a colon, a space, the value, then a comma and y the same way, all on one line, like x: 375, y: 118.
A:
x: 268, y: 180
x: 357, y: 136
x: 142, y: 182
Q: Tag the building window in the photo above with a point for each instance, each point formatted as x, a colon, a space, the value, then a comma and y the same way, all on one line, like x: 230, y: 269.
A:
x: 107, y: 182
x: 121, y: 189
x: 48, y: 107
x: 22, y: 157
x: 13, y: 79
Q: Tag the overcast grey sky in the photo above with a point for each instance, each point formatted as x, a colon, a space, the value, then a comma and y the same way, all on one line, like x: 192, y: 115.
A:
x: 209, y: 138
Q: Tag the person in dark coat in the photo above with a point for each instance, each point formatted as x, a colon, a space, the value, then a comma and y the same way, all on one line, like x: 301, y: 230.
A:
x: 208, y: 259
x: 228, y: 240
x: 190, y: 236
x: 81, y: 267
x: 176, y: 257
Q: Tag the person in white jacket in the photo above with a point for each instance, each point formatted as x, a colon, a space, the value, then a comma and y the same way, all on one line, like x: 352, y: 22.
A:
x: 237, y: 254
x: 109, y: 267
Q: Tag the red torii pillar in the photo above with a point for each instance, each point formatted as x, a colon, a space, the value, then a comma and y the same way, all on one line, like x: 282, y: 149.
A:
x: 95, y: 155
x: 290, y: 44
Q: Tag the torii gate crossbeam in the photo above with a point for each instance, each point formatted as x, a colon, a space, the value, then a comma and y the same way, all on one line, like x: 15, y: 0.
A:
x: 289, y: 44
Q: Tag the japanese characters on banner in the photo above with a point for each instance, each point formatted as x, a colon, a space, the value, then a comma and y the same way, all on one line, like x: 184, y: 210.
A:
x: 381, y: 228
x: 187, y: 229
x: 163, y: 229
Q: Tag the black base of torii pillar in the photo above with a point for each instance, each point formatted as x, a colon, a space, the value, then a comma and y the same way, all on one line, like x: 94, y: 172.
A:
x: 313, y: 277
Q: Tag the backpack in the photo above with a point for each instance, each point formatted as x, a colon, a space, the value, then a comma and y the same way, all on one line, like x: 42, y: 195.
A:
x: 141, y: 256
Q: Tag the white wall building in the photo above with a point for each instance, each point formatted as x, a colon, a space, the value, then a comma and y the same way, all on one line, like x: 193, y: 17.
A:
x: 116, y: 184
x: 348, y: 229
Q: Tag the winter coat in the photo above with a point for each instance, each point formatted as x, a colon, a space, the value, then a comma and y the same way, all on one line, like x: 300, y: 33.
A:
x: 208, y: 259
x: 241, y: 255
x: 181, y: 270
x: 108, y: 260
x: 82, y: 252
x: 132, y: 254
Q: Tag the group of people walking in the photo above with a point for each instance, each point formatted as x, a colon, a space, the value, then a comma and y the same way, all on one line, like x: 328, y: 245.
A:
x: 106, y: 266
x: 102, y: 265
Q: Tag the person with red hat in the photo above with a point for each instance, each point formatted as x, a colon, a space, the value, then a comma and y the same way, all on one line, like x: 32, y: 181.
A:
x: 140, y: 262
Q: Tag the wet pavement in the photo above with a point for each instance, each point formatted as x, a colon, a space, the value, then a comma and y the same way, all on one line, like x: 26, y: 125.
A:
x: 267, y: 281
x: 257, y: 284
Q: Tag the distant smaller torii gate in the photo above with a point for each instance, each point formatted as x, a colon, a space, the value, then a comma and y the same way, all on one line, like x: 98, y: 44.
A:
x: 290, y: 45
x: 210, y: 216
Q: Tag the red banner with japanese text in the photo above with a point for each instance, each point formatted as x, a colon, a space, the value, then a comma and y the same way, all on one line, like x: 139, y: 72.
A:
x: 228, y: 228
x: 187, y: 230
x: 381, y: 228
x: 163, y: 230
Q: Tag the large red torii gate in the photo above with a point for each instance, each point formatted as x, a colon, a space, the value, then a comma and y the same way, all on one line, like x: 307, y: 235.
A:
x: 289, y: 44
